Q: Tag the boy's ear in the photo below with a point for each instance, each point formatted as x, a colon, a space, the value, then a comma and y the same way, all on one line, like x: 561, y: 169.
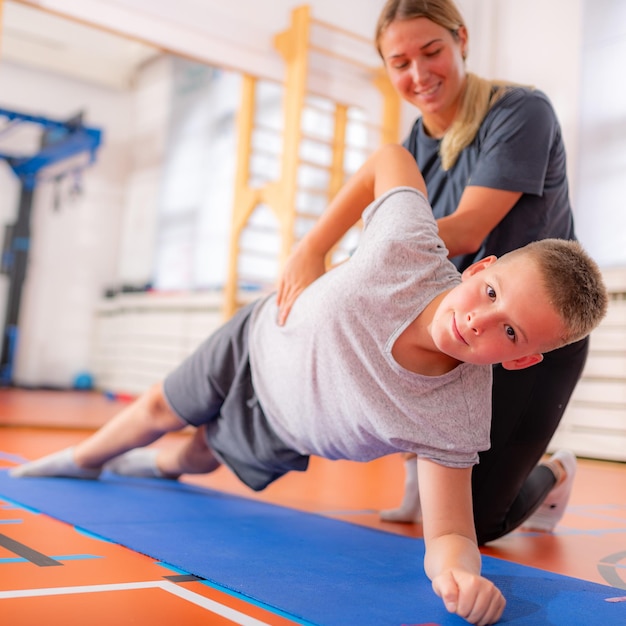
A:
x: 523, y: 362
x: 479, y: 266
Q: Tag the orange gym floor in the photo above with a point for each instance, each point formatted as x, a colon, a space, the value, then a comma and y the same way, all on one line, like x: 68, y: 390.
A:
x: 104, y: 583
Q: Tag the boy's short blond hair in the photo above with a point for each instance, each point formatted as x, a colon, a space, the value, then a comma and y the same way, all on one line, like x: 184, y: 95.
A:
x: 573, y: 282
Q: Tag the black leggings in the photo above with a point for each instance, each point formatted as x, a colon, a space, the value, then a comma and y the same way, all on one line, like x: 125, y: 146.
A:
x: 528, y: 404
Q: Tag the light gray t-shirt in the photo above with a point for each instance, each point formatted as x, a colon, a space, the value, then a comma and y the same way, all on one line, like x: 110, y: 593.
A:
x: 327, y: 380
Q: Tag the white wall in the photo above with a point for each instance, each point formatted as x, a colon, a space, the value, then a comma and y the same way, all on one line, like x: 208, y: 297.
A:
x: 150, y: 103
x: 601, y: 216
x: 196, y: 194
x: 74, y: 249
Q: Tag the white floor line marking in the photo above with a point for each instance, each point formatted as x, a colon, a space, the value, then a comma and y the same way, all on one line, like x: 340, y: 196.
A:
x: 216, y: 607
x: 169, y: 587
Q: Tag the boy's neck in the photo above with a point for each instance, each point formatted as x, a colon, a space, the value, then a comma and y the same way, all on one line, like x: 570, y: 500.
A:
x: 415, y: 350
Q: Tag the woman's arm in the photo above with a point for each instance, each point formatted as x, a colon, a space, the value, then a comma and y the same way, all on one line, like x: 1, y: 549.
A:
x: 480, y: 210
x: 452, y: 559
x: 520, y: 128
x: 390, y: 166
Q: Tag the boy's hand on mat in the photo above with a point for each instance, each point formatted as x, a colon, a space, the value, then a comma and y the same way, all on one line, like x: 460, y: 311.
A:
x: 302, y: 268
x: 470, y: 596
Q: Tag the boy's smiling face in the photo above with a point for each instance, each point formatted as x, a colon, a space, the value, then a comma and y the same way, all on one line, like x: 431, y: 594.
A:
x: 500, y: 313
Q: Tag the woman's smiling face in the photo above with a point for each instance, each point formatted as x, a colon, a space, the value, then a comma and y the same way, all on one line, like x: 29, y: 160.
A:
x: 425, y: 63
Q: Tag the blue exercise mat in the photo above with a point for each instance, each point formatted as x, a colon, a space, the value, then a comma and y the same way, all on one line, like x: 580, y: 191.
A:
x: 318, y: 570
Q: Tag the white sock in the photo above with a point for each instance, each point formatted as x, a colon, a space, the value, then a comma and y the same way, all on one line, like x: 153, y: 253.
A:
x: 409, y: 511
x: 140, y: 462
x: 58, y: 464
x: 551, y: 510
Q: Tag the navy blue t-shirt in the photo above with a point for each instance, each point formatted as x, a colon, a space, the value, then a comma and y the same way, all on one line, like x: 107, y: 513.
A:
x: 518, y: 147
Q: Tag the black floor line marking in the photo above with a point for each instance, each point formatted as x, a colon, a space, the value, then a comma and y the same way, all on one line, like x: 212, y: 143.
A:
x: 37, y: 558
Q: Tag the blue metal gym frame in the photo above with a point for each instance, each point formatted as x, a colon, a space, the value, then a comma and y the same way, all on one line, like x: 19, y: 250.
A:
x: 60, y: 141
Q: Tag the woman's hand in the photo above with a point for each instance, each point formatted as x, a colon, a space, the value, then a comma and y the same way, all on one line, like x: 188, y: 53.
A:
x: 302, y: 268
x: 470, y: 596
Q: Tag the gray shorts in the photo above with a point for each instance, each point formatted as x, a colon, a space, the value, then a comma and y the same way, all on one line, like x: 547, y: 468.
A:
x: 213, y: 387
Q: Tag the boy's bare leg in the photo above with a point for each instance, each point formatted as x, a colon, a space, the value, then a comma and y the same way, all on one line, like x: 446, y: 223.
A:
x: 194, y: 457
x: 144, y: 421
x: 141, y: 423
x: 191, y: 456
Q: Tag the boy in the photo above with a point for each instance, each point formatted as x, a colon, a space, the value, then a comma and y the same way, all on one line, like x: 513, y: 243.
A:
x: 390, y: 351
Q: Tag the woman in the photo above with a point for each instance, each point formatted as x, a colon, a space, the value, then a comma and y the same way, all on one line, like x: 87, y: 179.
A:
x: 493, y: 160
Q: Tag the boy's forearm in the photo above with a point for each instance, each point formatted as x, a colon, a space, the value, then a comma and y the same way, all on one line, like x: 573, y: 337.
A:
x: 452, y: 560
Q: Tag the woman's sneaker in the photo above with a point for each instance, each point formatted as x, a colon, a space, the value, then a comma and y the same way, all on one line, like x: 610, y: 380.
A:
x: 551, y: 510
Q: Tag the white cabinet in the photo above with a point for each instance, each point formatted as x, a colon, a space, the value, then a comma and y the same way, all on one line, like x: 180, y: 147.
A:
x: 140, y: 338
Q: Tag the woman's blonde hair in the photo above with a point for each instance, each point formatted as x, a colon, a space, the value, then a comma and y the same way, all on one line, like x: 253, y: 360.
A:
x: 479, y: 94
